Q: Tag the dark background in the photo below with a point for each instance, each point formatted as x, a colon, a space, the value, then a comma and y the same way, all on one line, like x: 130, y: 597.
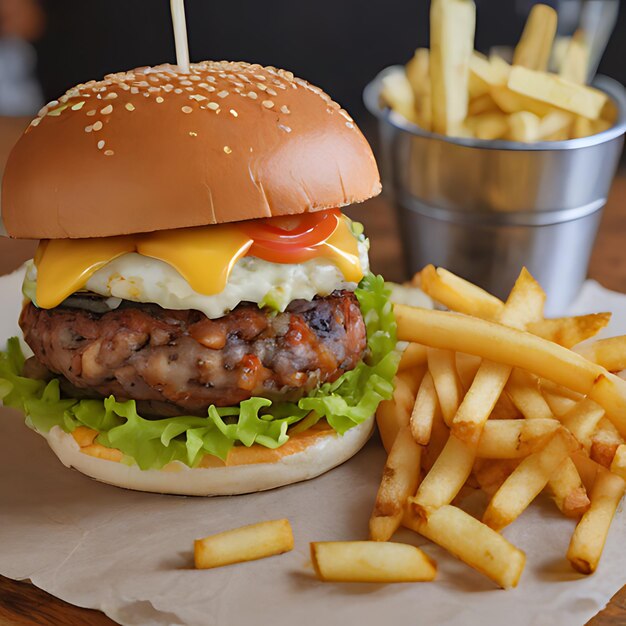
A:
x: 337, y: 44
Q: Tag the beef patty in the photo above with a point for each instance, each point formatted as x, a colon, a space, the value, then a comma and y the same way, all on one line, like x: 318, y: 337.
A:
x: 186, y: 361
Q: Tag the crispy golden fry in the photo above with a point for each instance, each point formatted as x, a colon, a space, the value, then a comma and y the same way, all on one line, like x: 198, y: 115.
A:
x: 399, y: 481
x: 570, y: 331
x: 438, y: 439
x: 393, y: 415
x: 479, y: 401
x: 525, y: 302
x: 247, y: 543
x: 559, y: 405
x: 371, y: 562
x: 413, y: 356
x: 576, y: 59
x: 450, y: 331
x: 604, y: 443
x: 585, y: 548
x: 535, y: 45
x: 445, y: 478
x: 524, y: 391
x: 509, y: 101
x: 396, y: 93
x: 452, y: 24
x: 556, y: 91
x: 425, y: 410
x: 458, y: 294
x: 524, y: 126
x: 472, y: 542
x: 569, y: 492
x: 510, y: 439
x: 418, y: 73
x: 582, y: 421
x: 527, y: 481
x: 467, y: 365
x: 548, y: 385
x: 609, y: 353
x: 442, y: 367
x: 587, y: 469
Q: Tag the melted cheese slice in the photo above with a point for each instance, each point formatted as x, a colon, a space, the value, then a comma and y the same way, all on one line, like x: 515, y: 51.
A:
x: 204, y: 256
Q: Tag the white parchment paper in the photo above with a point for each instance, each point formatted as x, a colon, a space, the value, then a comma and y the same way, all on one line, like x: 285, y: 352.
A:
x: 130, y: 554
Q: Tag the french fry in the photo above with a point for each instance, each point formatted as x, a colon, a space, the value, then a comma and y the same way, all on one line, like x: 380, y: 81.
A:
x: 482, y: 104
x: 412, y: 377
x: 467, y: 365
x: 587, y: 543
x: 618, y: 464
x: 527, y: 481
x: 485, y: 73
x: 442, y: 367
x: 582, y: 421
x: 472, y: 542
x: 490, y: 474
x: 556, y: 91
x: 445, y: 478
x: 569, y: 492
x: 576, y: 59
x: 247, y: 543
x: 488, y: 126
x: 570, y: 331
x: 511, y: 439
x: 413, y: 355
x: 458, y: 294
x: 604, y: 443
x: 452, y: 24
x: 555, y: 126
x: 438, y: 438
x: 559, y: 404
x: 524, y: 391
x: 450, y: 331
x: 609, y: 353
x: 535, y: 45
x: 393, y: 415
x: 524, y: 126
x: 399, y: 481
x: 418, y: 73
x: 587, y: 469
x: 510, y: 102
x: 371, y: 562
x: 425, y: 411
x: 396, y: 93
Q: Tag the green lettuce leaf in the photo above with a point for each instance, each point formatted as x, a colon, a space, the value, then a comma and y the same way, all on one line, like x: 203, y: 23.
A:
x: 152, y: 443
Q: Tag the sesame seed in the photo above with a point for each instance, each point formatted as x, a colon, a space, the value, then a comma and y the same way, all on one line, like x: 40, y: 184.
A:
x: 188, y: 88
x: 159, y: 99
x: 186, y: 82
x: 260, y: 77
x: 268, y: 104
x: 285, y: 109
x: 134, y: 90
x: 193, y: 133
x: 88, y: 129
x: 36, y: 121
x: 107, y: 109
x: 92, y: 112
x: 178, y: 91
x: 197, y: 97
x: 227, y: 150
x: 285, y: 128
x: 252, y: 94
x: 222, y: 94
x: 101, y: 144
x: 271, y: 92
x: 349, y: 124
x: 129, y: 106
x: 78, y: 106
x: 109, y: 153
x: 97, y: 126
x: 186, y: 109
x: 261, y: 86
x: 111, y: 95
x: 213, y: 106
x: 234, y: 113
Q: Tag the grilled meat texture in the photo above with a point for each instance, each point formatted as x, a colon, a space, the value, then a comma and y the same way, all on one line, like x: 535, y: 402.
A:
x: 186, y: 361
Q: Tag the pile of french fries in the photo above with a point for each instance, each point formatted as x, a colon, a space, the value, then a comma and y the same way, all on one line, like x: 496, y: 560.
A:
x: 490, y: 396
x: 453, y: 90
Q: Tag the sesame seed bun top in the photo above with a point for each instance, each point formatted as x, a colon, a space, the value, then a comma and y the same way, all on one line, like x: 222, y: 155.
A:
x: 154, y: 149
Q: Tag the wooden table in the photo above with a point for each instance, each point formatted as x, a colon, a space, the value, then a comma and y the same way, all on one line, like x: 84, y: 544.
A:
x: 22, y: 603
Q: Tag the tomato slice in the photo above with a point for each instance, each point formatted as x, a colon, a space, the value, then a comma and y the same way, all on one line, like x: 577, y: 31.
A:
x: 292, y: 238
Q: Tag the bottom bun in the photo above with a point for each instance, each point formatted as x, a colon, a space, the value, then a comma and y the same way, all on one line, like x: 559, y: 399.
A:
x: 324, y: 453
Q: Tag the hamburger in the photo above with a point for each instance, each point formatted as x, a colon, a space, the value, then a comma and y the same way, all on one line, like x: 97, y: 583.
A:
x: 199, y: 315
